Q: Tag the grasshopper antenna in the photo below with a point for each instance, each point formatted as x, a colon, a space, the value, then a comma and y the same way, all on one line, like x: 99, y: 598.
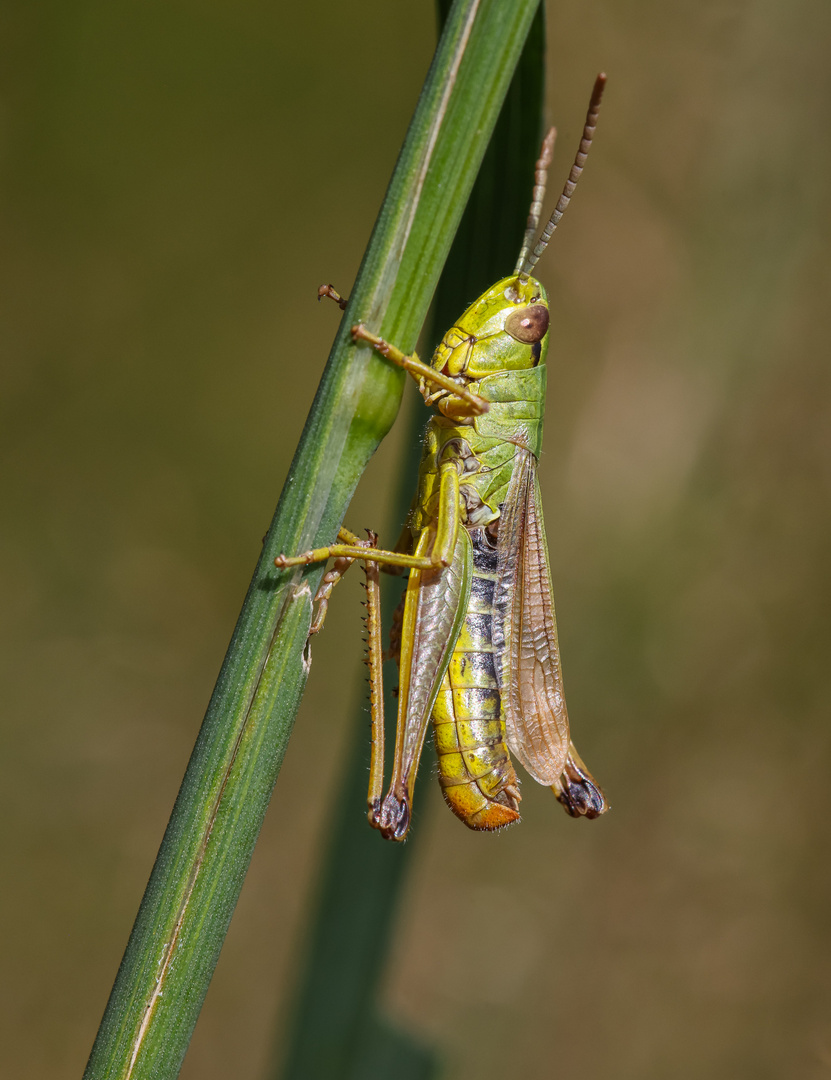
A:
x: 529, y: 260
x: 537, y: 196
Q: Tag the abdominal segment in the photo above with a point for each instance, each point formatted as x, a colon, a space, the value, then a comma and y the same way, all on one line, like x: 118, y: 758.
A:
x: 475, y: 770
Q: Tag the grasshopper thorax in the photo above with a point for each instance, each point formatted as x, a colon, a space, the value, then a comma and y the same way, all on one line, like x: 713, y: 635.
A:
x: 506, y: 329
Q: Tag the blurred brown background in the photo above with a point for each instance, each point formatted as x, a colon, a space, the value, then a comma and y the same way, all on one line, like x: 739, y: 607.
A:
x: 178, y: 179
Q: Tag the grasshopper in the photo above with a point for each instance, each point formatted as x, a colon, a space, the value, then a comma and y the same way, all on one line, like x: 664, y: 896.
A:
x: 476, y: 637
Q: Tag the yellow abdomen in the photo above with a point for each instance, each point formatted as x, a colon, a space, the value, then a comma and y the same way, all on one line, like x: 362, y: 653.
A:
x: 475, y: 770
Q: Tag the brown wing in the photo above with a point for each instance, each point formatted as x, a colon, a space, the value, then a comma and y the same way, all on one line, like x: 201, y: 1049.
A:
x: 525, y: 632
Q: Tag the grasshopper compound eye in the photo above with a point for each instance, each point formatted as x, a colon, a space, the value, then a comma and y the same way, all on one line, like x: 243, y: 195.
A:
x: 528, y: 324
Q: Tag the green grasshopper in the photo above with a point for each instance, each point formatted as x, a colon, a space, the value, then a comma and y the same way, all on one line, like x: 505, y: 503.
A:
x: 476, y: 639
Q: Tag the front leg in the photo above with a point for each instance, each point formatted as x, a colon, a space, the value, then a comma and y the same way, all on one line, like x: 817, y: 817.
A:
x: 421, y: 372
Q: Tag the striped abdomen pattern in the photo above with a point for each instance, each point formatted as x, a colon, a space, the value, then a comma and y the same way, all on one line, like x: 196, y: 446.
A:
x: 475, y: 770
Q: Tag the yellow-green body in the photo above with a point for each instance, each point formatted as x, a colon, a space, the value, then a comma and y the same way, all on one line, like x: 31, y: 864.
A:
x: 477, y: 646
x: 475, y: 770
x: 469, y: 726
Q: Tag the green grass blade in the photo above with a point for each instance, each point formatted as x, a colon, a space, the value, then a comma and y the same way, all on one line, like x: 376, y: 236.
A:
x: 336, y: 1031
x: 207, y: 847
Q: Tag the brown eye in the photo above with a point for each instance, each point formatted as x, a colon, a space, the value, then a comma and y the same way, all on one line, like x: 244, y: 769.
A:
x: 528, y: 324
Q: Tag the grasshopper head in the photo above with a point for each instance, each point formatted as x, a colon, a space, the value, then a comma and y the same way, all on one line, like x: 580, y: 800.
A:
x: 505, y: 330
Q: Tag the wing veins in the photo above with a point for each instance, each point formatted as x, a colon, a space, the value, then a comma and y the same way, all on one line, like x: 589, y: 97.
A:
x: 526, y: 630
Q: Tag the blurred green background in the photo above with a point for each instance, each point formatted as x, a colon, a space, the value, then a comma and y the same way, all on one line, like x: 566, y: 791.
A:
x: 178, y: 179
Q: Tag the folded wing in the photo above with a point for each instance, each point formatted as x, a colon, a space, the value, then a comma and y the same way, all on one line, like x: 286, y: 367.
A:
x: 525, y: 632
